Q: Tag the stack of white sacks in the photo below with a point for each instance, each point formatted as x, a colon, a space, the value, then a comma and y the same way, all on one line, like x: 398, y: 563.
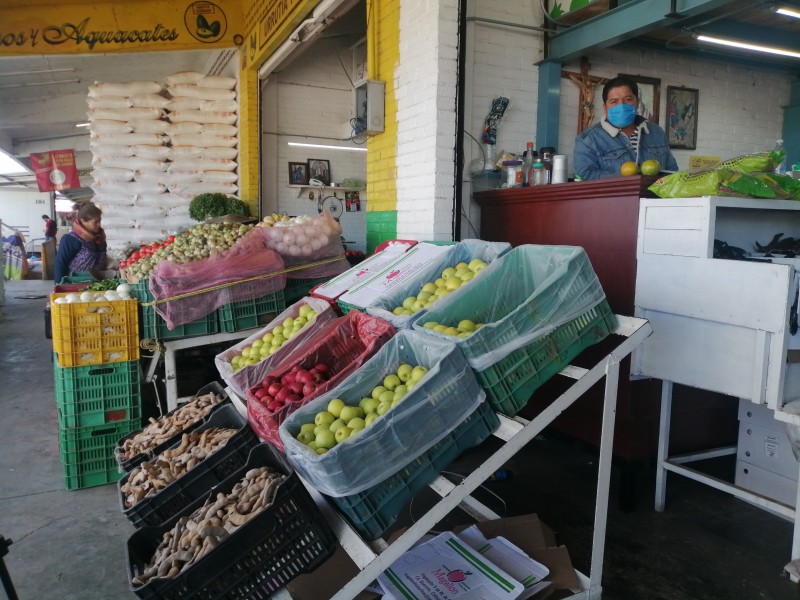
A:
x: 155, y: 147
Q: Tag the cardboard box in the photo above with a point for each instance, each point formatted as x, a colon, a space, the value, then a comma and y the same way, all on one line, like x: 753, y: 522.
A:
x: 527, y: 532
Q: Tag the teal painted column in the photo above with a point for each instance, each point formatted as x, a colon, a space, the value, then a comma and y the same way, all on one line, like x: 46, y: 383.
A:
x: 791, y: 126
x: 547, y: 112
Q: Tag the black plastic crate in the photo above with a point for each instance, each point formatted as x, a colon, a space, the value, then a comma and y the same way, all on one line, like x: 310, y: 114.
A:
x: 127, y: 465
x: 195, y: 484
x: 287, y: 539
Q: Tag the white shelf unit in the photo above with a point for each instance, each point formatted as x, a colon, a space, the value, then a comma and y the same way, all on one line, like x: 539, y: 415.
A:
x: 719, y: 325
x: 374, y: 557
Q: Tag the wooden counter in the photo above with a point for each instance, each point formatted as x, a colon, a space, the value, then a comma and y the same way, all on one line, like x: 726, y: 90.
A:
x: 602, y: 217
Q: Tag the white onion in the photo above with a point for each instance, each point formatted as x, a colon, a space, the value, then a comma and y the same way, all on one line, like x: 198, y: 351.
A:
x: 301, y: 239
x: 72, y: 298
x: 316, y: 243
x: 288, y: 238
x: 111, y: 296
x: 292, y: 250
x: 306, y: 250
x: 62, y: 300
x: 280, y: 248
x: 87, y: 296
x: 123, y: 288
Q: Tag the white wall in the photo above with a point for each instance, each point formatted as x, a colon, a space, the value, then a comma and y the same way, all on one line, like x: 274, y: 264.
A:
x: 311, y: 101
x: 24, y: 209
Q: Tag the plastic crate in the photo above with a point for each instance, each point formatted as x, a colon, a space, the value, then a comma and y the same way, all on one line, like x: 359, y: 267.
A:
x: 154, y: 326
x: 343, y: 344
x: 98, y: 394
x: 195, y: 484
x: 287, y: 539
x: 84, y: 336
x: 345, y: 308
x: 249, y: 314
x: 300, y: 288
x: 129, y: 464
x: 550, y: 294
x: 510, y: 382
x: 79, y: 277
x: 374, y: 511
x: 85, y: 445
x: 101, y: 471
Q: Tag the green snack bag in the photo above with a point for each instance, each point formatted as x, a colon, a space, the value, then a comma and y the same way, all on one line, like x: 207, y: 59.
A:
x: 686, y: 185
x: 754, y: 163
x: 742, y: 184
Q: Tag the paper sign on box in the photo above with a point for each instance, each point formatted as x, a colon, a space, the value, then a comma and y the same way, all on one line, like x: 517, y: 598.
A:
x: 357, y: 275
x: 445, y: 568
x: 394, y: 274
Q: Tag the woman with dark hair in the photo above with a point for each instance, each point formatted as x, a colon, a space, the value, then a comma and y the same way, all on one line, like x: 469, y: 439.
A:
x: 83, y: 248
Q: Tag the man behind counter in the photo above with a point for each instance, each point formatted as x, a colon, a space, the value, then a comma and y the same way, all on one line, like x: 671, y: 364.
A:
x: 621, y: 136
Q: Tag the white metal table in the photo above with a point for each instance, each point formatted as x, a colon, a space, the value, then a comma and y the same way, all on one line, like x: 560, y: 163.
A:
x: 373, y: 558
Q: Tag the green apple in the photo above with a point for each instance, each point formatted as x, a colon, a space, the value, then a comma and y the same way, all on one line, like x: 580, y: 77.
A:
x: 430, y: 325
x: 356, y: 424
x: 369, y: 406
x: 448, y: 273
x: 321, y: 427
x: 385, y: 397
x: 325, y: 439
x: 321, y: 451
x: 304, y: 310
x: 418, y: 373
x: 288, y: 322
x: 267, y: 338
x: 336, y: 425
x: 398, y: 310
x: 313, y: 445
x: 476, y: 265
x: 277, y: 330
x: 466, y: 276
x: 400, y: 391
x: 335, y: 406
x: 418, y: 306
x: 439, y: 283
x: 383, y: 407
x: 342, y: 434
x: 408, y: 302
x: 451, y: 331
x: 424, y: 296
x: 370, y: 418
x: 324, y: 418
x: 305, y: 437
x: 440, y: 328
x: 278, y: 340
x: 391, y: 381
x: 465, y: 334
x: 348, y: 413
x: 251, y: 361
x: 404, y: 371
x: 377, y: 391
x: 308, y: 427
x: 429, y: 287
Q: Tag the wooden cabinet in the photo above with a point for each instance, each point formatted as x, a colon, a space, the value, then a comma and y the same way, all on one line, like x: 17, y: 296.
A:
x: 602, y: 217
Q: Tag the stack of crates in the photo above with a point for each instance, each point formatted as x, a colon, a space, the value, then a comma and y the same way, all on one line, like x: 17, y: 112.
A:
x: 97, y: 385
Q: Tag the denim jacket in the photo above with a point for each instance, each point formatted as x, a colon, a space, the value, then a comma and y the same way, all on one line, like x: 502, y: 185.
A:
x: 601, y: 149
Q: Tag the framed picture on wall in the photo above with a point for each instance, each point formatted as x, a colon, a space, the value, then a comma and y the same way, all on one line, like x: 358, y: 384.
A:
x: 320, y: 170
x: 298, y: 173
x: 649, y: 96
x: 682, y: 104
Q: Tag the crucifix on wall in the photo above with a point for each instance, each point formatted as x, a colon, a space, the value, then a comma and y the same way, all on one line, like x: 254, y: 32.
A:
x: 588, y: 85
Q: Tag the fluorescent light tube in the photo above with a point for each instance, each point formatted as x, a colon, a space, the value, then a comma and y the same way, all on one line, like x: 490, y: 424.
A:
x: 746, y: 46
x: 788, y: 12
x: 326, y: 147
x: 10, y: 165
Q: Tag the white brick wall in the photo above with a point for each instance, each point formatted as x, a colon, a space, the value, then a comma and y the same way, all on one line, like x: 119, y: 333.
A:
x: 425, y: 88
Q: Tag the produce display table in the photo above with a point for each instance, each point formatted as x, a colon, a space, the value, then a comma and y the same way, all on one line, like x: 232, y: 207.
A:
x: 168, y: 350
x: 719, y: 325
x: 374, y: 557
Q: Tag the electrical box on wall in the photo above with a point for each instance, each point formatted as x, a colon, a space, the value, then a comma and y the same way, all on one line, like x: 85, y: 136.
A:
x: 369, y: 106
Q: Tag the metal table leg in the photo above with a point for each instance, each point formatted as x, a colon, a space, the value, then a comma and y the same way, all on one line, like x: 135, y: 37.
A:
x: 663, y: 444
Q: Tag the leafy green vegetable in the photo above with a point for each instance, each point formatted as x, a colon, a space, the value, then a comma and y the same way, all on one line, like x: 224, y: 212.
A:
x: 205, y: 206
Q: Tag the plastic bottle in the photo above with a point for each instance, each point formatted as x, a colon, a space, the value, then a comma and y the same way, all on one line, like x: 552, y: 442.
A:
x: 527, y: 161
x: 781, y: 168
x: 546, y: 155
x: 538, y: 173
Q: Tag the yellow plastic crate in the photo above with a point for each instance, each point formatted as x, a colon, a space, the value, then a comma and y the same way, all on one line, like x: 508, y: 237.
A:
x: 91, y: 333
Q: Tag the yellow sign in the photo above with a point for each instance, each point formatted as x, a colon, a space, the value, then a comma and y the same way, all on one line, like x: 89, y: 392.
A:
x: 121, y: 27
x: 703, y: 162
x: 268, y: 23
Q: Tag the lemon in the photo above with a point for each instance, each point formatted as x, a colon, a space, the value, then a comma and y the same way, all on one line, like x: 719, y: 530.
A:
x: 651, y: 167
x: 629, y: 168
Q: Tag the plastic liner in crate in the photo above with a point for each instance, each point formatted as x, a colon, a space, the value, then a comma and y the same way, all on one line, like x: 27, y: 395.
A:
x: 435, y: 407
x: 154, y: 326
x: 246, y: 377
x: 465, y: 251
x: 129, y: 463
x: 342, y: 344
x: 541, y: 305
x: 287, y: 539
x: 373, y: 511
x: 195, y: 483
x: 82, y: 444
x: 98, y: 394
x: 248, y: 314
x: 300, y: 288
x: 91, y: 333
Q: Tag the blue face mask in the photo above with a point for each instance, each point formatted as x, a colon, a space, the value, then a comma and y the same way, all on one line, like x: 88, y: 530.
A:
x: 621, y: 115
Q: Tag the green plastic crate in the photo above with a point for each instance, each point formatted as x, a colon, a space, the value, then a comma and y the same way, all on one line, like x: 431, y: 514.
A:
x: 82, y: 445
x: 154, y: 326
x: 249, y: 314
x: 91, y: 473
x: 345, y: 308
x: 98, y: 394
x: 300, y: 288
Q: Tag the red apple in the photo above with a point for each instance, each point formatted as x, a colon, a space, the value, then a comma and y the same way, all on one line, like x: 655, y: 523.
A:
x: 291, y: 398
x: 274, y: 388
x: 322, y: 368
x: 275, y: 405
x: 269, y: 380
x: 288, y: 378
x: 266, y: 400
x: 286, y: 391
x: 260, y: 393
x: 303, y: 376
x: 309, y: 388
x: 296, y: 387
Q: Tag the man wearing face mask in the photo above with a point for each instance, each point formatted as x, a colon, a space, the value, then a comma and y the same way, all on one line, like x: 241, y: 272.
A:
x: 621, y: 136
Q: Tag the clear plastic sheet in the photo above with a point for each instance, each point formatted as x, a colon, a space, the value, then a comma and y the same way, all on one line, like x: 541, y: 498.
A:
x: 248, y: 258
x: 246, y: 377
x: 524, y: 295
x: 343, y: 345
x: 441, y: 400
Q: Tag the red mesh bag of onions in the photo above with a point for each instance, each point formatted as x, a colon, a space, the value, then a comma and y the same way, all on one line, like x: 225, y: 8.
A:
x: 304, y: 241
x: 247, y: 271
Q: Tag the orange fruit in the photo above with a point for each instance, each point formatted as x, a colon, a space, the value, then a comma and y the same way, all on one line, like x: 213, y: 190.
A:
x: 629, y: 168
x: 651, y: 167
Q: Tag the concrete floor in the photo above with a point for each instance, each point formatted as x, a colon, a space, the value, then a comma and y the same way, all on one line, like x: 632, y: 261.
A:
x: 71, y: 544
